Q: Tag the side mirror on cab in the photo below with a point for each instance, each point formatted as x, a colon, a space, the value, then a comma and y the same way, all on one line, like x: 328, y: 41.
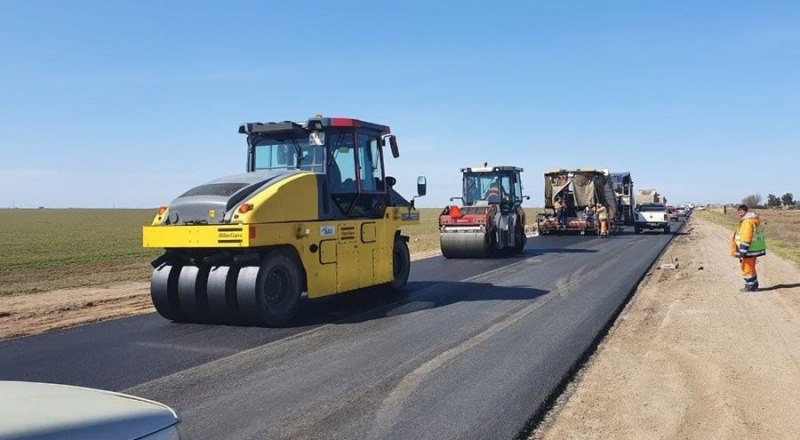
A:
x: 392, y: 144
x: 422, y: 186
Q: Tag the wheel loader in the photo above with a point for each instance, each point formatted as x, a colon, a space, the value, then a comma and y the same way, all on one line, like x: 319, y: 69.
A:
x: 314, y: 215
x: 490, y: 219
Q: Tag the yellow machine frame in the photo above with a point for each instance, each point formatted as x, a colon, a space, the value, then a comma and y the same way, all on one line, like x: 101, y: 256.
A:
x: 313, y: 215
x: 350, y: 254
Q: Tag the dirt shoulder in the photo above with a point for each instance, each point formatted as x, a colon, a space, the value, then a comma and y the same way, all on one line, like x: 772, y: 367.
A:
x: 34, y: 313
x: 26, y: 315
x: 691, y: 356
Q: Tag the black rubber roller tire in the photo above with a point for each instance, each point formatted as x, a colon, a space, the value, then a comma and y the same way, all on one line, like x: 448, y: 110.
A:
x: 164, y: 291
x: 221, y: 293
x: 246, y: 298
x: 401, y: 265
x: 273, y: 298
x: 192, y: 294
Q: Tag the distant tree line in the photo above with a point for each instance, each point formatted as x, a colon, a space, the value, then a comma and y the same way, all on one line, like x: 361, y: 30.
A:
x: 787, y: 201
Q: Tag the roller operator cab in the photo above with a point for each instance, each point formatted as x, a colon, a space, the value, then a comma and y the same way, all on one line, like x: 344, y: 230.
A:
x: 313, y: 215
x: 490, y: 218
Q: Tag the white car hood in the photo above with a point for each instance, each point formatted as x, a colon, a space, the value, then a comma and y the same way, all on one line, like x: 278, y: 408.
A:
x: 31, y: 410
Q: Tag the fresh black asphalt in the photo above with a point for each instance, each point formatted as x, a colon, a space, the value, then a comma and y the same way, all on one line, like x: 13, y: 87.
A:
x: 472, y: 349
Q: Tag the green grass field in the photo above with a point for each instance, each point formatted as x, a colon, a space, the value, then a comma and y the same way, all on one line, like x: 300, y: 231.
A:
x: 44, y: 238
x: 46, y: 249
x: 424, y: 237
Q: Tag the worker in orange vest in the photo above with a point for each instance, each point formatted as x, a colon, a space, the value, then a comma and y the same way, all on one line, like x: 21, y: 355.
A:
x: 747, y: 245
x: 602, y: 216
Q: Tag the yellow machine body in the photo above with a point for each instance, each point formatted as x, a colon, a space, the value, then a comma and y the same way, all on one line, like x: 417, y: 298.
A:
x: 336, y: 255
x: 313, y: 215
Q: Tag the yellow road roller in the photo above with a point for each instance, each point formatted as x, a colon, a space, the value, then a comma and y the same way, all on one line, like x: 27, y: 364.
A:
x: 314, y: 215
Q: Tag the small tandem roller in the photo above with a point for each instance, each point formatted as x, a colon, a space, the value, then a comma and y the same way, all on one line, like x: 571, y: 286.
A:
x: 491, y: 218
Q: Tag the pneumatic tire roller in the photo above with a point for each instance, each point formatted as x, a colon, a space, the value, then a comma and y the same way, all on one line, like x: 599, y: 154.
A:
x: 301, y: 222
x: 266, y: 294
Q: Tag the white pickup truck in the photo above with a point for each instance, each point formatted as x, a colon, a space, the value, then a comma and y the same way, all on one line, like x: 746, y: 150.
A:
x: 652, y: 216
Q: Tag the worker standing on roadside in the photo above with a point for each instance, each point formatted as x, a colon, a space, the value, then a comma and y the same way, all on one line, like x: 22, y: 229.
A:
x: 561, y: 213
x: 602, y: 216
x: 748, y: 244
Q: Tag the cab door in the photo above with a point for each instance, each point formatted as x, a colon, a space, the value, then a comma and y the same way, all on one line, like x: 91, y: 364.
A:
x: 370, y: 204
x: 359, y: 191
x: 343, y: 180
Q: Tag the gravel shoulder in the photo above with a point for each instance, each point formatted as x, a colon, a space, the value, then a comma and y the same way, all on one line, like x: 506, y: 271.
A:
x: 691, y: 356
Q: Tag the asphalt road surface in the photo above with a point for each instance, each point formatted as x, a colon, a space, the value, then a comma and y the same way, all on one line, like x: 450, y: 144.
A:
x: 472, y: 349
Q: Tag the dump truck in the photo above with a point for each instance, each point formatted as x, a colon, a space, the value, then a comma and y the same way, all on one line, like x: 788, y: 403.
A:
x: 626, y: 203
x: 313, y: 215
x: 579, y: 191
x: 490, y: 219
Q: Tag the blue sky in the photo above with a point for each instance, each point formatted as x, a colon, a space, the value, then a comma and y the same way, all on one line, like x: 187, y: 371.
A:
x: 106, y: 103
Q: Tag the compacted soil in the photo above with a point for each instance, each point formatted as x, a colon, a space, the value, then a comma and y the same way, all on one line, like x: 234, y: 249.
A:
x: 692, y: 357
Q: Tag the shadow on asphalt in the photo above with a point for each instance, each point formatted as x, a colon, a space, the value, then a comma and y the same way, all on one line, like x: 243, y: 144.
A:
x: 370, y: 304
x: 358, y: 306
x: 778, y: 287
x: 542, y: 251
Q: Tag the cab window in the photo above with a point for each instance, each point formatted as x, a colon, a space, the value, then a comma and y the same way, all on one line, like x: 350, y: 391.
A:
x: 343, y: 164
x: 312, y: 158
x: 505, y: 183
x: 369, y: 161
x: 355, y: 174
x: 274, y: 155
